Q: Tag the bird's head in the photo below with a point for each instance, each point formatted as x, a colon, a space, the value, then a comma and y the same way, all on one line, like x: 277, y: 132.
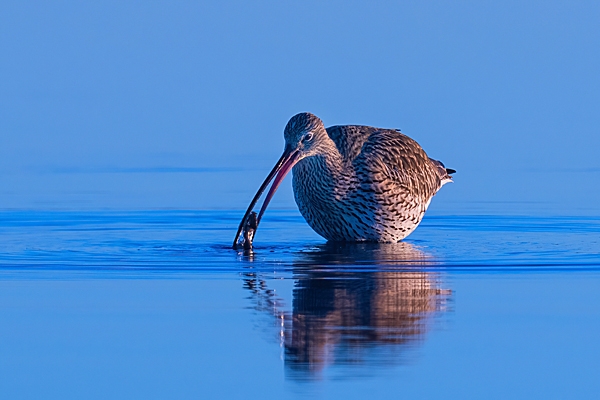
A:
x: 305, y: 136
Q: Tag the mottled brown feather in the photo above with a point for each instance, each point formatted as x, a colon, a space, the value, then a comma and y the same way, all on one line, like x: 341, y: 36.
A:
x: 375, y: 184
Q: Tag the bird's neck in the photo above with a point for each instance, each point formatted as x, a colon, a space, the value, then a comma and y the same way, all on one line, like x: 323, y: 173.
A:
x: 318, y: 182
x: 324, y: 167
x: 329, y: 159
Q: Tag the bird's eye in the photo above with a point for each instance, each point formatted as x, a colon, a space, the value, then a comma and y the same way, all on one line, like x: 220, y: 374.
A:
x: 308, y: 137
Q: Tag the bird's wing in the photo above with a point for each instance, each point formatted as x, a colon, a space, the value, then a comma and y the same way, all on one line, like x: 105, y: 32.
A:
x: 389, y: 157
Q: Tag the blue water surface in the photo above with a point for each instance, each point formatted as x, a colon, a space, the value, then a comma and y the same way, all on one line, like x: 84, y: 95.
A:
x: 156, y: 304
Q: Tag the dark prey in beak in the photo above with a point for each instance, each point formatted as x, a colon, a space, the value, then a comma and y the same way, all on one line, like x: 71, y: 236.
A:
x: 249, y: 229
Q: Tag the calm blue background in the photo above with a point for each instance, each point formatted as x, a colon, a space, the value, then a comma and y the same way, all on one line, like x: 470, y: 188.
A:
x: 138, y: 105
x: 143, y: 105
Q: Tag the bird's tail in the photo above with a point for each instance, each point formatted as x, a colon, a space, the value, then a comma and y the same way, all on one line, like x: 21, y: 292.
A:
x: 444, y: 173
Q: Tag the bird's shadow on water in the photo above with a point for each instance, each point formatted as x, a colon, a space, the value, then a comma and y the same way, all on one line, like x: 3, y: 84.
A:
x: 355, y: 307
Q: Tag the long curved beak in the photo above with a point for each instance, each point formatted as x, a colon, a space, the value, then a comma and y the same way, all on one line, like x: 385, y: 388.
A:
x: 279, y: 171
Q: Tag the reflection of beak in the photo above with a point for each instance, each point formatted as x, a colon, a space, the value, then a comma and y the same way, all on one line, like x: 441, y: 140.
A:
x: 283, y: 166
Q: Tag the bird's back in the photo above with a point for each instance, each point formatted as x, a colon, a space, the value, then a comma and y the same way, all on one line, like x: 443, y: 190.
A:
x: 389, y: 152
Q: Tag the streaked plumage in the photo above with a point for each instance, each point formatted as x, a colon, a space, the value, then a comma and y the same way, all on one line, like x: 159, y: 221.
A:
x: 356, y: 183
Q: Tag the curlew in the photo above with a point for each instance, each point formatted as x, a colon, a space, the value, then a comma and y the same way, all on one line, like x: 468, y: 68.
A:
x: 353, y: 182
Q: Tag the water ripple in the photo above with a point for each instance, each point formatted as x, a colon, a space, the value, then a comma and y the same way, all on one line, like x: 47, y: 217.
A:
x: 198, y: 242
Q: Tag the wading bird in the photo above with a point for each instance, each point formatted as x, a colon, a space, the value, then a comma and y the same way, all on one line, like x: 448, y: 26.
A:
x: 352, y: 182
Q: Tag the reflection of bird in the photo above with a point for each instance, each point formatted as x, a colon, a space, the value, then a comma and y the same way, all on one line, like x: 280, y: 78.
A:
x: 355, y: 183
x: 341, y: 316
x: 349, y: 317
